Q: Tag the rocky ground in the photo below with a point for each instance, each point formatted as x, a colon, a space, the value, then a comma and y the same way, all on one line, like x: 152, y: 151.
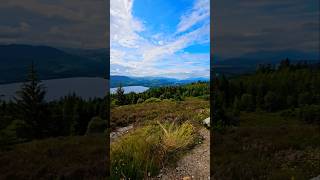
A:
x: 119, y: 132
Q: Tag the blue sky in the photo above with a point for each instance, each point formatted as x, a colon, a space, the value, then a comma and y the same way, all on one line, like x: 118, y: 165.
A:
x: 160, y: 38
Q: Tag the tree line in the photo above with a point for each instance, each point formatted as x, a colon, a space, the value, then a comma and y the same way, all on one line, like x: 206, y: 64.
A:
x: 177, y: 93
x: 293, y: 89
x: 30, y: 117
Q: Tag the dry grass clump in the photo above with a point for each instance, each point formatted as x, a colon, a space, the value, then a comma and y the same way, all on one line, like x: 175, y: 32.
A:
x: 177, y: 137
x: 143, y: 152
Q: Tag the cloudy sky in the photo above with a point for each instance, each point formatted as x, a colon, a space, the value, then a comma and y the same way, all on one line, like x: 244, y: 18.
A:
x: 163, y: 37
x: 160, y: 38
x: 59, y: 23
x: 243, y: 26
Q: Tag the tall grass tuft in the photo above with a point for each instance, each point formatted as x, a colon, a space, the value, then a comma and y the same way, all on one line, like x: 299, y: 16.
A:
x: 143, y: 152
x: 177, y: 137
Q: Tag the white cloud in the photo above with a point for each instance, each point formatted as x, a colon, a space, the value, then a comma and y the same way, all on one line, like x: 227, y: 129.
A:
x: 124, y: 26
x: 199, y: 12
x: 160, y: 54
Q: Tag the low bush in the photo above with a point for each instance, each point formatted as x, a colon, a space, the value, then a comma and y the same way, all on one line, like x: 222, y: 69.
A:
x: 289, y: 113
x: 13, y: 133
x: 140, y: 100
x: 96, y: 126
x: 152, y: 100
x: 310, y: 113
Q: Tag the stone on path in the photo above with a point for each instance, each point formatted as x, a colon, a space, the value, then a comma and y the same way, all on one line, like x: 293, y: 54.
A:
x: 207, y: 122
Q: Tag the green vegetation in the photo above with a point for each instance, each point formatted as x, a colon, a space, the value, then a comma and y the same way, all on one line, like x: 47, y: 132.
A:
x: 96, y: 126
x: 45, y: 140
x: 192, y: 108
x: 178, y: 93
x: 267, y: 123
x: 74, y: 157
x: 164, y: 130
x: 143, y: 152
x: 267, y: 146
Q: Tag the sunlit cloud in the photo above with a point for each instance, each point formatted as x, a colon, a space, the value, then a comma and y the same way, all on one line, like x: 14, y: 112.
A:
x: 159, y: 54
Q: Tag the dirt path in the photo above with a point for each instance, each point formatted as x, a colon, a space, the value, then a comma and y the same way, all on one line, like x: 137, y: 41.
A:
x: 194, y: 165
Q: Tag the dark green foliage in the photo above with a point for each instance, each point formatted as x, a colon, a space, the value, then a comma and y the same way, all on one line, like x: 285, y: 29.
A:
x: 96, y: 126
x: 271, y: 101
x: 280, y: 138
x: 177, y: 93
x: 120, y: 97
x: 270, y: 89
x: 266, y: 146
x: 68, y: 116
x: 15, y: 132
x: 291, y: 102
x: 247, y: 102
x: 236, y: 107
x: 305, y: 98
x: 72, y: 157
x: 140, y: 100
x: 310, y: 113
x: 31, y: 106
x: 30, y: 117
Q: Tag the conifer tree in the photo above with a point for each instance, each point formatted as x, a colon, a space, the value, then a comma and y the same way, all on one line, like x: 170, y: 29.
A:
x: 31, y: 104
x: 121, y: 98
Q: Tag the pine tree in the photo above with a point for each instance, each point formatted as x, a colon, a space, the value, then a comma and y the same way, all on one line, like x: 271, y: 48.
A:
x: 121, y: 98
x: 31, y: 104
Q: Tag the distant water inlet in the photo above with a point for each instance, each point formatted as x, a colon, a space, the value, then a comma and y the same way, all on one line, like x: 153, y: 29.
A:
x: 85, y: 87
x: 129, y: 89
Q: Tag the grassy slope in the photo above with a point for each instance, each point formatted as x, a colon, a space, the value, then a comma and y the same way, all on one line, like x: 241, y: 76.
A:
x: 68, y: 157
x: 84, y: 157
x: 156, y: 141
x: 193, y: 109
x: 267, y: 146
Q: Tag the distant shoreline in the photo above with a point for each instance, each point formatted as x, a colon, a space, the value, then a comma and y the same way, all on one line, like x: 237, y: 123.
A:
x: 85, y: 87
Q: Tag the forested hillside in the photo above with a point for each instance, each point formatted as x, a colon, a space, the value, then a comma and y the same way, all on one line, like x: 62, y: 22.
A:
x: 52, y: 63
x: 267, y: 123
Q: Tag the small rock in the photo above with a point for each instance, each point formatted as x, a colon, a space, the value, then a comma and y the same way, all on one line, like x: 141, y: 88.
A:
x: 207, y: 122
x: 186, y: 178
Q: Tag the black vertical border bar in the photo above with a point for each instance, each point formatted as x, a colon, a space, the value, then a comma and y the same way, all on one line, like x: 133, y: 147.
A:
x: 108, y: 88
x: 318, y: 17
x: 212, y: 87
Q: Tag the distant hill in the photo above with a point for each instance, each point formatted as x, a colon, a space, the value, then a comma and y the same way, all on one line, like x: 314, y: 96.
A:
x: 249, y: 62
x: 115, y: 81
x: 50, y: 62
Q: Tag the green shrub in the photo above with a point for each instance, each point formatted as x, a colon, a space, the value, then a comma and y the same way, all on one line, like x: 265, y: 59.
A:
x: 168, y: 100
x: 140, y: 100
x: 113, y: 103
x: 15, y: 132
x: 305, y: 98
x: 310, y: 113
x: 152, y: 100
x: 288, y: 113
x: 271, y: 101
x: 96, y: 126
x: 177, y: 98
x: 205, y: 97
x: 247, y: 102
